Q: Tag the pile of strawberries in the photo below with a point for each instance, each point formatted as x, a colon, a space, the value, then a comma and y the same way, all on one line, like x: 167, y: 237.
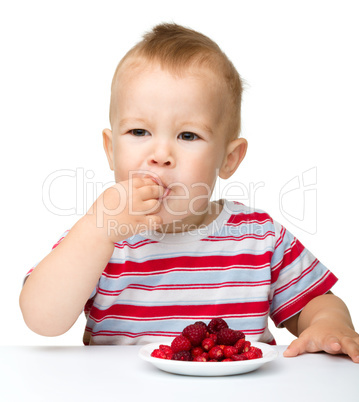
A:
x: 215, y: 342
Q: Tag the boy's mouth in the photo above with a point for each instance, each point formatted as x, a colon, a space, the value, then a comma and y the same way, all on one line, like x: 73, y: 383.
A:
x: 160, y: 183
x: 165, y: 194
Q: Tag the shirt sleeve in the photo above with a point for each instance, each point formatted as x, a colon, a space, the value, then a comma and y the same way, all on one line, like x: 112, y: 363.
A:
x: 296, y: 277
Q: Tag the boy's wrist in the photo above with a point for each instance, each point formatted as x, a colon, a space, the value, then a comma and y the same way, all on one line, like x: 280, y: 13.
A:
x: 106, y: 228
x: 323, y: 310
x: 89, y: 224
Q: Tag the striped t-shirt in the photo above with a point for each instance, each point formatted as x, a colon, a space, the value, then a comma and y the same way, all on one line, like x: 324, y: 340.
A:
x: 243, y: 267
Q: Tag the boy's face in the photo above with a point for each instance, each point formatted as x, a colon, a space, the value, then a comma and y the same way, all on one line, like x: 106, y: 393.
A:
x: 174, y: 129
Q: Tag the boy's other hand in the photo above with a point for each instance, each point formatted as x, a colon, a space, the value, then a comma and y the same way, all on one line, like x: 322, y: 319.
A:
x: 324, y: 336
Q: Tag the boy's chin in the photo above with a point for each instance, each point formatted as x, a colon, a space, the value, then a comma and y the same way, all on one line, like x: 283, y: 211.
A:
x: 179, y: 221
x: 169, y: 219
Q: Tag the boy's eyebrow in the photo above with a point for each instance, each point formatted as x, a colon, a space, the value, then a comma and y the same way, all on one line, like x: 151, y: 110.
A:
x: 200, y: 125
x: 136, y: 120
x: 131, y: 120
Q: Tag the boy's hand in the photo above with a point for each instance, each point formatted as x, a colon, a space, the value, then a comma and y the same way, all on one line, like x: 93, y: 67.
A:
x: 324, y: 336
x: 127, y: 208
x: 324, y: 324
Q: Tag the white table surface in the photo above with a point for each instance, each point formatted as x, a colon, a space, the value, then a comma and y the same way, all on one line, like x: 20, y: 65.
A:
x: 116, y: 373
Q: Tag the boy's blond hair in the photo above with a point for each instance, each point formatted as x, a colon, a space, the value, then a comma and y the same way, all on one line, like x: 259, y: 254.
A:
x: 177, y: 48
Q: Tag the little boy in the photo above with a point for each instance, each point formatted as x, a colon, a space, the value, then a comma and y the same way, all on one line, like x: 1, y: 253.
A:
x: 154, y: 254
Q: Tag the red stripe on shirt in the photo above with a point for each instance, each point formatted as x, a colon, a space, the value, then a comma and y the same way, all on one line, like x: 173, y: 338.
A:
x: 147, y: 313
x: 239, y: 238
x: 290, y: 255
x: 298, y: 278
x: 295, y: 305
x: 260, y: 217
x: 135, y: 245
x: 199, y: 286
x: 245, y: 261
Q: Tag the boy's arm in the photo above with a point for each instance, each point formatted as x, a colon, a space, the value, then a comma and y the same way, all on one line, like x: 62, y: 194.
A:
x: 324, y: 324
x: 55, y: 293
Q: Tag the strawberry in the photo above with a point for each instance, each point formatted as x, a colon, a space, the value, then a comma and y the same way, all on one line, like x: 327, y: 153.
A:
x: 250, y: 355
x: 256, y: 351
x: 240, y: 357
x: 208, y: 344
x: 216, y: 353
x: 216, y: 324
x: 183, y: 355
x: 240, y: 334
x: 240, y: 345
x: 180, y: 343
x: 214, y: 337
x: 205, y: 355
x: 196, y: 351
x: 229, y: 351
x: 199, y: 359
x: 167, y: 351
x: 159, y: 354
x: 246, y: 346
x: 227, y: 336
x: 195, y: 333
x: 202, y: 324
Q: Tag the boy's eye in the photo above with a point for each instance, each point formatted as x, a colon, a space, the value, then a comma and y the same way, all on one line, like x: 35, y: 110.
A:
x: 139, y: 132
x: 188, y: 136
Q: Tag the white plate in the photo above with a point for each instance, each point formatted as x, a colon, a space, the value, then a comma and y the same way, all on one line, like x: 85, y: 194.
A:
x: 208, y: 368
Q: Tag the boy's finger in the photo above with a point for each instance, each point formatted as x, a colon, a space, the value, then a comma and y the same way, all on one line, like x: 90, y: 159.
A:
x: 350, y: 347
x: 332, y: 345
x: 145, y: 207
x: 302, y: 345
x: 297, y: 347
x: 152, y: 192
x: 151, y: 206
x: 139, y: 182
x: 153, y: 222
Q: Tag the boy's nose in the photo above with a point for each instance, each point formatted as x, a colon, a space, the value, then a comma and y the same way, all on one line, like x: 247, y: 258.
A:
x: 161, y: 157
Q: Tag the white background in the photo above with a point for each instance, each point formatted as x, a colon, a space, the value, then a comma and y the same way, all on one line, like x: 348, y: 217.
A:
x: 300, y: 113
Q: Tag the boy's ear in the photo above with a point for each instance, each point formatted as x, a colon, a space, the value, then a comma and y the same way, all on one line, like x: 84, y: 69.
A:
x: 236, y: 151
x: 107, y: 144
